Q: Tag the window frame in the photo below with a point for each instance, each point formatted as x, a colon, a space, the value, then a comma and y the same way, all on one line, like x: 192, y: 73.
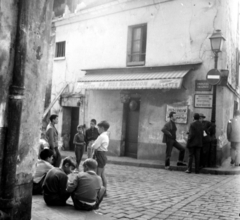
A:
x: 130, y: 44
x: 62, y: 53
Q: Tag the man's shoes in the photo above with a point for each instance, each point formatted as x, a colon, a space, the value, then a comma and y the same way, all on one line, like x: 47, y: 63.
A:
x: 181, y: 164
x: 187, y: 171
x: 167, y: 168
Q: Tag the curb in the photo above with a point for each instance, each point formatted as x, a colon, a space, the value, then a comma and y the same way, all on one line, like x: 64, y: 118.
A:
x: 212, y: 171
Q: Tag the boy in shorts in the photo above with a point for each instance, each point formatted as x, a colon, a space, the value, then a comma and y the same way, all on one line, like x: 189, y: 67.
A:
x: 101, y: 147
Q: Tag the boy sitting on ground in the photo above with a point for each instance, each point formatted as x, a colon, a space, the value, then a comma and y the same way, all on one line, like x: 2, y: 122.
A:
x: 55, y: 183
x: 86, y: 187
x: 41, y: 168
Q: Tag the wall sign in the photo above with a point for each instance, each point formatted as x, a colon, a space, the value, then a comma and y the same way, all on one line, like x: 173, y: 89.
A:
x: 203, y: 101
x: 181, y: 113
x: 202, y: 85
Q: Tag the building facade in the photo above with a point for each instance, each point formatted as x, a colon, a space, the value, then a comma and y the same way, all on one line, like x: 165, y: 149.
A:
x: 131, y: 62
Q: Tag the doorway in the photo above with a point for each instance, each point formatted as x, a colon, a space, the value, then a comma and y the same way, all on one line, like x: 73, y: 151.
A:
x: 74, y: 124
x: 132, y: 121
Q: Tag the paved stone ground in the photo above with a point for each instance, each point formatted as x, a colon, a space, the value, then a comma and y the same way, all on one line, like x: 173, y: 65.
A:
x: 147, y: 193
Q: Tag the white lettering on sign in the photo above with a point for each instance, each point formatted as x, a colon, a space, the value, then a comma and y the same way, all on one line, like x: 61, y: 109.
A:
x: 133, y: 84
x: 203, y: 101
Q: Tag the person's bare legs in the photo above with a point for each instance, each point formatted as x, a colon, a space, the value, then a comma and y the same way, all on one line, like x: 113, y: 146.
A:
x: 101, y: 173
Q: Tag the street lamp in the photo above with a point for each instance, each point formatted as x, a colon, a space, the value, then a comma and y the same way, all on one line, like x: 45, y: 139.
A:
x: 216, y: 43
x: 216, y: 40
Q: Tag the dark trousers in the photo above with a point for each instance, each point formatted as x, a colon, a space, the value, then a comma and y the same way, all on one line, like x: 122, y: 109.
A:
x: 79, y: 150
x: 170, y: 144
x: 57, y: 158
x: 83, y: 206
x: 194, y: 152
x: 205, y: 155
x: 55, y: 200
x: 37, y: 187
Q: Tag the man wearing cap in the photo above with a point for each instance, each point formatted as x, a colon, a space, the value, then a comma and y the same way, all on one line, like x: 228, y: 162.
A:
x: 52, y: 137
x: 194, y: 143
x: 169, y: 137
x: 233, y: 136
x: 205, y: 150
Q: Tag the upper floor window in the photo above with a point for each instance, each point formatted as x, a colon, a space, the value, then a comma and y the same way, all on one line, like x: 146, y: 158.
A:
x: 60, y: 49
x: 137, y: 38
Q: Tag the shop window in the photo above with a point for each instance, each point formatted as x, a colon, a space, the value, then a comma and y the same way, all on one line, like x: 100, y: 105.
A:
x: 137, y: 39
x: 60, y: 49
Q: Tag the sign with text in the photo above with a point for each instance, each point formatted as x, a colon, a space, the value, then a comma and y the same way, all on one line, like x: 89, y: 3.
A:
x: 202, y: 85
x: 181, y: 113
x: 133, y: 84
x: 203, y: 101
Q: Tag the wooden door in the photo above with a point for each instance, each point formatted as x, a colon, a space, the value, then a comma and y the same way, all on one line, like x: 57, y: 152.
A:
x: 132, y: 121
x: 74, y: 124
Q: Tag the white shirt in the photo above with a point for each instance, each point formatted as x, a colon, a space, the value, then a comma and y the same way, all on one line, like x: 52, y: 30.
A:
x: 102, y: 142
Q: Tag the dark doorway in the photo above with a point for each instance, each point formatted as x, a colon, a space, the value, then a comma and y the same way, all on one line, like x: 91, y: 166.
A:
x: 74, y: 124
x: 132, y: 120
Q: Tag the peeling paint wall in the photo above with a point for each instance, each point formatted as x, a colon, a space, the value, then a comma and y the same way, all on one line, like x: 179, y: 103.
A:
x: 37, y: 28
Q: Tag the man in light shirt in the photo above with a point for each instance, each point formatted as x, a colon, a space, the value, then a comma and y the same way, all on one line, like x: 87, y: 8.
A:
x: 101, y: 147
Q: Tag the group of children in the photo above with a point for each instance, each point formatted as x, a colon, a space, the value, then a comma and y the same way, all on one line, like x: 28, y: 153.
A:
x: 86, y: 188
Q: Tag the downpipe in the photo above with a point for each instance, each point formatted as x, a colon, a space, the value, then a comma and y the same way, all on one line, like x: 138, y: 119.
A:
x: 15, y: 102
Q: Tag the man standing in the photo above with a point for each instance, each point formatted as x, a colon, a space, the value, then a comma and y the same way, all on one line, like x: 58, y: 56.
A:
x: 233, y: 136
x: 169, y: 137
x: 205, y: 150
x: 55, y: 184
x: 52, y: 137
x: 194, y: 143
x: 91, y: 136
x: 86, y: 187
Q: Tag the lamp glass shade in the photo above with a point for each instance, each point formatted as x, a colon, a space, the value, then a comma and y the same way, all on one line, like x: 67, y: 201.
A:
x: 217, y: 44
x: 217, y: 41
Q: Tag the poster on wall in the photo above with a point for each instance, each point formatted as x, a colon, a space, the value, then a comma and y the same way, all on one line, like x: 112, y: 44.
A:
x: 181, y: 113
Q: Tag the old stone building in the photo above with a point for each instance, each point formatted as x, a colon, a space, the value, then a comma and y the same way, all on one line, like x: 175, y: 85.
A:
x: 132, y: 61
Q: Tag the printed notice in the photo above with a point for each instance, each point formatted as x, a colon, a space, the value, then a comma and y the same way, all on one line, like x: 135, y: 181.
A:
x: 203, y: 101
x: 181, y: 113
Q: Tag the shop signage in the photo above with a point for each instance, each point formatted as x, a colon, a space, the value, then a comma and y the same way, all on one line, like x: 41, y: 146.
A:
x: 203, y: 101
x: 181, y: 113
x: 133, y: 84
x: 202, y: 85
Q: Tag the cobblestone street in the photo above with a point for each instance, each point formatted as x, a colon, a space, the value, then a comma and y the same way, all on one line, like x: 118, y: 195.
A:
x: 142, y: 193
x: 145, y: 193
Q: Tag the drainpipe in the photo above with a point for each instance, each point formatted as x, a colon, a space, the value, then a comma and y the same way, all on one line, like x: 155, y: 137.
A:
x: 14, y: 114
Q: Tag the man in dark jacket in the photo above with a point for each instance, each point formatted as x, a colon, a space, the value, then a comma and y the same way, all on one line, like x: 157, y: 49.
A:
x: 205, y: 150
x: 90, y: 136
x: 194, y: 143
x: 169, y: 137
x: 55, y: 184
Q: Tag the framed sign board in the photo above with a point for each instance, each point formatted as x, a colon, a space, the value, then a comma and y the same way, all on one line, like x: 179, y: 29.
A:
x: 181, y: 113
x: 203, y: 100
x: 202, y: 85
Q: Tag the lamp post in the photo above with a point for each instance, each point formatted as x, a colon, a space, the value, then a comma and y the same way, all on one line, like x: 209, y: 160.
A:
x: 216, y: 44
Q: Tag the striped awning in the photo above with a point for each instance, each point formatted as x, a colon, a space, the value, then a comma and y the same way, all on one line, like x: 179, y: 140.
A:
x: 152, y: 80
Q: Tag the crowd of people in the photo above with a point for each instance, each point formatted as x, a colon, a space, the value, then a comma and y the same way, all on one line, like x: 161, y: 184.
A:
x: 200, y: 141
x: 57, y: 179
